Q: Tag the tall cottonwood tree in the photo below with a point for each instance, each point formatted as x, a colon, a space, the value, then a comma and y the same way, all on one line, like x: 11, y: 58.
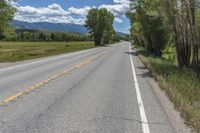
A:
x: 100, y: 24
x: 148, y: 29
x: 6, y: 14
x: 180, y: 18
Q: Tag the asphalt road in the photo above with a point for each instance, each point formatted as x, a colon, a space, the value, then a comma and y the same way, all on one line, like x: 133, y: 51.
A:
x: 100, y: 90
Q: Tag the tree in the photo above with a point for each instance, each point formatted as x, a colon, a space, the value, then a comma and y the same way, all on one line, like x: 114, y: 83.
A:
x: 147, y: 29
x: 179, y: 17
x: 108, y: 36
x: 100, y: 24
x: 6, y: 14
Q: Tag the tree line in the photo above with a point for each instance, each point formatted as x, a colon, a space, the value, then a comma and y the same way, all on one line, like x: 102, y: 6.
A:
x: 154, y: 24
x: 31, y: 35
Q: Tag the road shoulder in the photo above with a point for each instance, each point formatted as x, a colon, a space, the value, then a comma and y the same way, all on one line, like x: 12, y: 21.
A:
x: 174, y: 116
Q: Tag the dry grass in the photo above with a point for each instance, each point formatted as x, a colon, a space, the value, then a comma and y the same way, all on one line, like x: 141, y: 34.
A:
x: 181, y: 85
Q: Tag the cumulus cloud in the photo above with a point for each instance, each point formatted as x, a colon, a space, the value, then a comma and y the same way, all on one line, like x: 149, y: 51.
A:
x: 53, y: 13
x: 56, y: 14
x: 12, y: 3
x: 80, y: 11
x: 117, y: 9
x: 118, y: 20
x: 121, y: 1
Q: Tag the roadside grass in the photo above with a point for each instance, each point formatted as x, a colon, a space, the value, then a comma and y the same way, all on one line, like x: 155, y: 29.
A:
x: 181, y: 85
x: 18, y: 51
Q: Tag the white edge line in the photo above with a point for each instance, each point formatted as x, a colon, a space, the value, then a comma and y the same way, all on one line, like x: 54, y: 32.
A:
x: 144, y: 122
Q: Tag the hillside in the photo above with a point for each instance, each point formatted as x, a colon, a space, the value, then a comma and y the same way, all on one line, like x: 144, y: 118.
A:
x: 46, y: 26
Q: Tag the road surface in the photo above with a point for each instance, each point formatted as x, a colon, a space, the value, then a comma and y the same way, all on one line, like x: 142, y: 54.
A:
x: 101, y: 90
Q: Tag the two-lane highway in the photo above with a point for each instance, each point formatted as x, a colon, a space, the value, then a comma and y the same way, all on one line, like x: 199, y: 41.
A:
x: 101, y: 90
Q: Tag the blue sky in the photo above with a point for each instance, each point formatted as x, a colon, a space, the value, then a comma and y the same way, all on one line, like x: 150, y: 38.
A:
x: 70, y: 11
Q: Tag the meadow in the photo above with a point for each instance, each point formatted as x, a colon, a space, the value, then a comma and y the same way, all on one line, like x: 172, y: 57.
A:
x: 18, y: 51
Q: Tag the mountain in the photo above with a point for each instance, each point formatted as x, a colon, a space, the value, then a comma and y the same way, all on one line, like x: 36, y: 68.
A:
x: 121, y: 34
x: 46, y: 26
x: 57, y: 27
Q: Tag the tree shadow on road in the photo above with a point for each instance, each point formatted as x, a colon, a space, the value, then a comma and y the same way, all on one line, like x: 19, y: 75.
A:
x: 143, y: 72
x: 132, y: 53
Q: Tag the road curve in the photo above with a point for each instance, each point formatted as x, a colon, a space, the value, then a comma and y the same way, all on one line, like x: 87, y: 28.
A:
x: 91, y: 91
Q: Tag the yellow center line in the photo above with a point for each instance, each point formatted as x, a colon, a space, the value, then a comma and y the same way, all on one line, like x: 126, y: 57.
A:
x: 42, y: 83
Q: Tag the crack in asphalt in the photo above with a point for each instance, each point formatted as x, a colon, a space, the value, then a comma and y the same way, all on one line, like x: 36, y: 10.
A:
x: 131, y: 120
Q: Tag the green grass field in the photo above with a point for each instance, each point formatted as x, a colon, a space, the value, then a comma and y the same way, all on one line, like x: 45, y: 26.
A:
x: 181, y: 85
x: 17, y: 51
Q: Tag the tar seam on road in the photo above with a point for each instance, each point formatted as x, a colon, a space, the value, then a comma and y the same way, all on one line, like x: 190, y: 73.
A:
x: 42, y: 83
x: 145, y: 125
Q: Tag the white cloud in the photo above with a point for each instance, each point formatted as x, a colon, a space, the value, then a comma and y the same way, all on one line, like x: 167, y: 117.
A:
x: 53, y: 13
x: 118, y: 20
x: 51, y: 10
x: 80, y: 11
x: 56, y: 14
x: 121, y: 1
x: 12, y: 3
x: 119, y: 9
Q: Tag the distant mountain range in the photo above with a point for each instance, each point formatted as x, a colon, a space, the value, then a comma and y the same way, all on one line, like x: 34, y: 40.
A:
x: 46, y: 26
x: 57, y: 27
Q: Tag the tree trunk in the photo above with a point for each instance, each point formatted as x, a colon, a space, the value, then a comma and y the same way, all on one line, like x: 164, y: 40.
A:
x: 195, y: 54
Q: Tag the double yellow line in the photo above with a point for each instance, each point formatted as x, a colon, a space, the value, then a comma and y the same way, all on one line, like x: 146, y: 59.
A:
x: 42, y: 83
